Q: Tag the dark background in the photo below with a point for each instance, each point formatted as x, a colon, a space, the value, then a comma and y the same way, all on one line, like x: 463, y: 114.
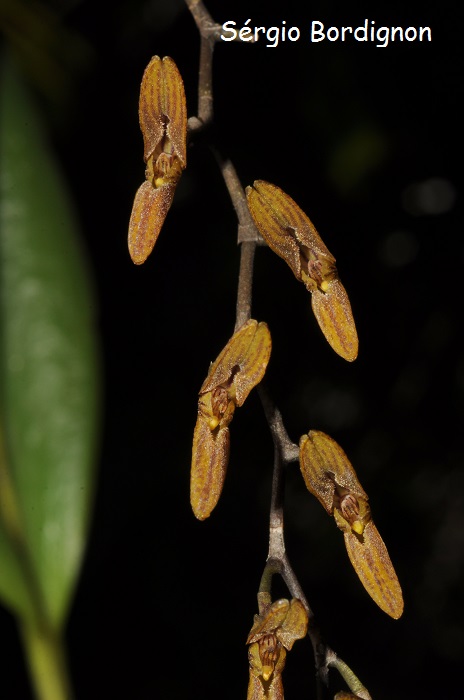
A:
x: 366, y: 140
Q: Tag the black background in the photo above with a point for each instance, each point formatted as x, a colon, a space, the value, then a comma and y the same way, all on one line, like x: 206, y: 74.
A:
x: 366, y: 140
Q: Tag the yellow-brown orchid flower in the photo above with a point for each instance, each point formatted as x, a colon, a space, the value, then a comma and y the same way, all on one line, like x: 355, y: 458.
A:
x: 163, y: 121
x: 239, y: 367
x: 329, y: 475
x: 289, y: 233
x: 273, y: 634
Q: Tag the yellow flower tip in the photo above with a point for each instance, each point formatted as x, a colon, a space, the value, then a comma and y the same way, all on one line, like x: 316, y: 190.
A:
x: 200, y: 515
x: 267, y: 672
x: 324, y: 285
x: 213, y: 422
x: 358, y: 527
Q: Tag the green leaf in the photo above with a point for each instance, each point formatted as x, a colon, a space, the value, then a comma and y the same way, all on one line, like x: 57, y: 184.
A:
x: 48, y: 368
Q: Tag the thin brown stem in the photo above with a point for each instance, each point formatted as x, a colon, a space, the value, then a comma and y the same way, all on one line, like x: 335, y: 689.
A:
x: 285, y: 451
x: 205, y: 89
x: 209, y: 34
x: 248, y: 238
x: 245, y: 282
x: 288, y: 449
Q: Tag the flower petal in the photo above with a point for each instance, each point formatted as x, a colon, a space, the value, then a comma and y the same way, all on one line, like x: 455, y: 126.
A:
x: 371, y: 561
x: 270, y: 620
x: 324, y: 465
x: 162, y: 108
x: 295, y: 624
x: 243, y: 361
x: 210, y: 456
x: 148, y: 214
x: 332, y: 310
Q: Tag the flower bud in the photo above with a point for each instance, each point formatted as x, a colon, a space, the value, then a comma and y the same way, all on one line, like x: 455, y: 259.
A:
x: 239, y: 367
x: 289, y: 233
x: 329, y: 476
x: 163, y: 121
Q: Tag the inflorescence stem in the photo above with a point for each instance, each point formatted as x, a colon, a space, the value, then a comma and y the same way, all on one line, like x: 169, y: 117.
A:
x: 285, y: 451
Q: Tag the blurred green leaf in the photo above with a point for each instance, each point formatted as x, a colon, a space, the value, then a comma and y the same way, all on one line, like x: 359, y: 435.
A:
x: 13, y: 587
x: 48, y: 366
